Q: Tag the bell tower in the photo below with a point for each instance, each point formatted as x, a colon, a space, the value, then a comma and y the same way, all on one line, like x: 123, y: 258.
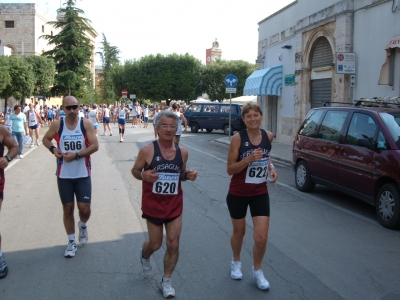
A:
x: 214, y: 53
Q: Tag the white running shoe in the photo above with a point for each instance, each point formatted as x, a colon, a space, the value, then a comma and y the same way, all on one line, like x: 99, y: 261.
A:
x: 83, y: 234
x: 37, y: 143
x: 167, y: 289
x: 146, y: 265
x: 32, y: 145
x: 21, y: 156
x: 71, y: 249
x: 110, y: 133
x: 258, y: 277
x: 236, y: 272
x: 103, y: 134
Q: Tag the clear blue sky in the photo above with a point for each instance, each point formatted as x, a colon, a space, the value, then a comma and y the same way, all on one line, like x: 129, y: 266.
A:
x: 140, y: 28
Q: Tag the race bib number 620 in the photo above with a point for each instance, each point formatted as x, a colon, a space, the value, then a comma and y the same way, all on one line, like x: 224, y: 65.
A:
x: 166, y: 184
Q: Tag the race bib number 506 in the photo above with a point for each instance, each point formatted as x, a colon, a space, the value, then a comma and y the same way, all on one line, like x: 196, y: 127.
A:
x: 166, y: 184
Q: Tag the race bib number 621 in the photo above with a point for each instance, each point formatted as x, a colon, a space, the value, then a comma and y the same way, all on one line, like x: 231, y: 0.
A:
x: 166, y: 184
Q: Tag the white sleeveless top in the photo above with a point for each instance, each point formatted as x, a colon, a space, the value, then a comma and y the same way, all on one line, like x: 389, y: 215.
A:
x: 106, y: 112
x: 92, y: 117
x: 121, y: 113
x: 32, y: 118
x: 72, y: 141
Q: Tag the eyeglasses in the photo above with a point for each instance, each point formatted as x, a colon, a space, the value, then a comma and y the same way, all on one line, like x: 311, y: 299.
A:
x: 165, y: 126
x: 69, y: 107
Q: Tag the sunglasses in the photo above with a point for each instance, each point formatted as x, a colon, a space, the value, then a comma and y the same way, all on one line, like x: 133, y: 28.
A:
x: 69, y: 107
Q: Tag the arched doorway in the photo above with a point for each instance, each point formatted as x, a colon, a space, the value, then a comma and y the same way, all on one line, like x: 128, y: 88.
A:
x: 321, y: 72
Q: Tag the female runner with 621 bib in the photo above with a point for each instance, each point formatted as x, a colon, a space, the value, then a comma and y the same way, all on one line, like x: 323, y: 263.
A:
x: 249, y: 163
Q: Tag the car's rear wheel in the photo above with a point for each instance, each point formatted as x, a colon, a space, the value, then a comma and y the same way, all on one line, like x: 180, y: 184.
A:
x: 226, y: 129
x: 388, y: 206
x: 194, y: 128
x: 304, y: 182
x: 209, y: 130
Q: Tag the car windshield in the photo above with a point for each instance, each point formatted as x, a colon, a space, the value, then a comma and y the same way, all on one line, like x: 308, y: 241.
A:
x: 392, y: 122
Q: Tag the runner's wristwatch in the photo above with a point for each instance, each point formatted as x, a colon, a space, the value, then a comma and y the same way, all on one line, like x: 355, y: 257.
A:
x: 77, y: 157
x: 8, y: 158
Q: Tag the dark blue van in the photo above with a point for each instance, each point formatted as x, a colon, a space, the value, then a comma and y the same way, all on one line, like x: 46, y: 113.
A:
x: 214, y: 115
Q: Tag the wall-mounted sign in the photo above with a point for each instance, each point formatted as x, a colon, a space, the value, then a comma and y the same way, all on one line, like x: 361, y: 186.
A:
x: 289, y: 79
x: 346, y: 63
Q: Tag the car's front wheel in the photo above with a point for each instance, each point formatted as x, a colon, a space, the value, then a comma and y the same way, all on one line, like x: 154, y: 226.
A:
x: 304, y: 182
x: 388, y: 206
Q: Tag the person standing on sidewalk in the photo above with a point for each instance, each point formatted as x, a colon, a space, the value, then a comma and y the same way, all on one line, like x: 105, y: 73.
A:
x: 249, y: 162
x: 19, y: 125
x: 34, y: 120
x: 155, y: 113
x: 6, y: 140
x: 76, y: 141
x: 122, y: 112
x: 161, y: 165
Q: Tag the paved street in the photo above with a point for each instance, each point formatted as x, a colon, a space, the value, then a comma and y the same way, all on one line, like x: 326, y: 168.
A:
x: 318, y: 247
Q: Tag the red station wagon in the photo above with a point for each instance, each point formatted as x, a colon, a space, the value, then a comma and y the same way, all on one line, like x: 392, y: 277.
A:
x: 355, y: 149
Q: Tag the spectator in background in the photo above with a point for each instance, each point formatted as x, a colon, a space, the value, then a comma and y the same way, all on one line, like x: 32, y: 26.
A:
x: 19, y: 125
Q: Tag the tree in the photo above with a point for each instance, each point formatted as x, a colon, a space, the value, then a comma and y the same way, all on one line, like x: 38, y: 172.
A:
x: 5, y: 77
x: 22, y: 79
x: 72, y: 50
x: 109, y: 58
x: 215, y: 73
x: 44, y: 69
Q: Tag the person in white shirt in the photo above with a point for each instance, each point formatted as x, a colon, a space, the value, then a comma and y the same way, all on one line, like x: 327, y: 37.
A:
x: 146, y: 116
x: 106, y: 119
x: 33, y: 122
x: 93, y: 116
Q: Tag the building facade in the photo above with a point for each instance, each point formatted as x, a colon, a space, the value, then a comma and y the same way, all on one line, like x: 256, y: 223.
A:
x: 22, y: 25
x: 300, y: 50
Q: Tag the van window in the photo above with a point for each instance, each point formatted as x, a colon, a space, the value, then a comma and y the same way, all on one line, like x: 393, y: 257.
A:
x: 392, y: 124
x: 210, y: 108
x: 225, y: 109
x: 309, y: 127
x: 194, y: 108
x: 381, y: 142
x: 361, y: 126
x: 332, y: 125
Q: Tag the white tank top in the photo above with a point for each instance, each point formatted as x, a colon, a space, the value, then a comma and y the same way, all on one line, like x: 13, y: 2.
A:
x: 32, y: 118
x: 121, y: 113
x: 106, y: 113
x: 179, y: 130
x: 92, y: 116
x: 72, y: 141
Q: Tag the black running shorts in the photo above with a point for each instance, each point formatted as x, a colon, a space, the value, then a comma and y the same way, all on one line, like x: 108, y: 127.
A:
x: 237, y: 205
x: 79, y: 187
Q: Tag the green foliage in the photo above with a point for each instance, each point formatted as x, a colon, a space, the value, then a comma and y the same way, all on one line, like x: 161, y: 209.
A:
x: 160, y: 77
x: 214, y: 75
x: 44, y: 69
x: 109, y: 58
x: 5, y: 77
x: 22, y: 79
x: 72, y: 50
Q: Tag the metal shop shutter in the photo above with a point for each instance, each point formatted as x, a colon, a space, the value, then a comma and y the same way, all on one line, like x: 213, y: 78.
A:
x: 322, y: 55
x: 321, y: 91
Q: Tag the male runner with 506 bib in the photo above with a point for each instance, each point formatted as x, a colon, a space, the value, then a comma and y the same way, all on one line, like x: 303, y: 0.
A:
x: 76, y: 140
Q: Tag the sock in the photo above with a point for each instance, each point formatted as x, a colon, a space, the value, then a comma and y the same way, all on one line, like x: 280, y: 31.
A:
x: 71, y: 237
x: 82, y: 224
x: 166, y: 279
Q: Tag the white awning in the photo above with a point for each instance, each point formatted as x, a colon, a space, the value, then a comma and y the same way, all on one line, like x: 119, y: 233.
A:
x: 264, y: 82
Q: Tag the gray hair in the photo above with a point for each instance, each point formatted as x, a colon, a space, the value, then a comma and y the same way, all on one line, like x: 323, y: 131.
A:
x: 168, y: 114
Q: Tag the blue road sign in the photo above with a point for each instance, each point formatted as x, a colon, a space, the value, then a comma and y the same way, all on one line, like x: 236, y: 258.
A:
x: 231, y: 80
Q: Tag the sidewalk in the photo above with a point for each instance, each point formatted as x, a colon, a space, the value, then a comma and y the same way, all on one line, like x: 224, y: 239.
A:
x: 280, y: 152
